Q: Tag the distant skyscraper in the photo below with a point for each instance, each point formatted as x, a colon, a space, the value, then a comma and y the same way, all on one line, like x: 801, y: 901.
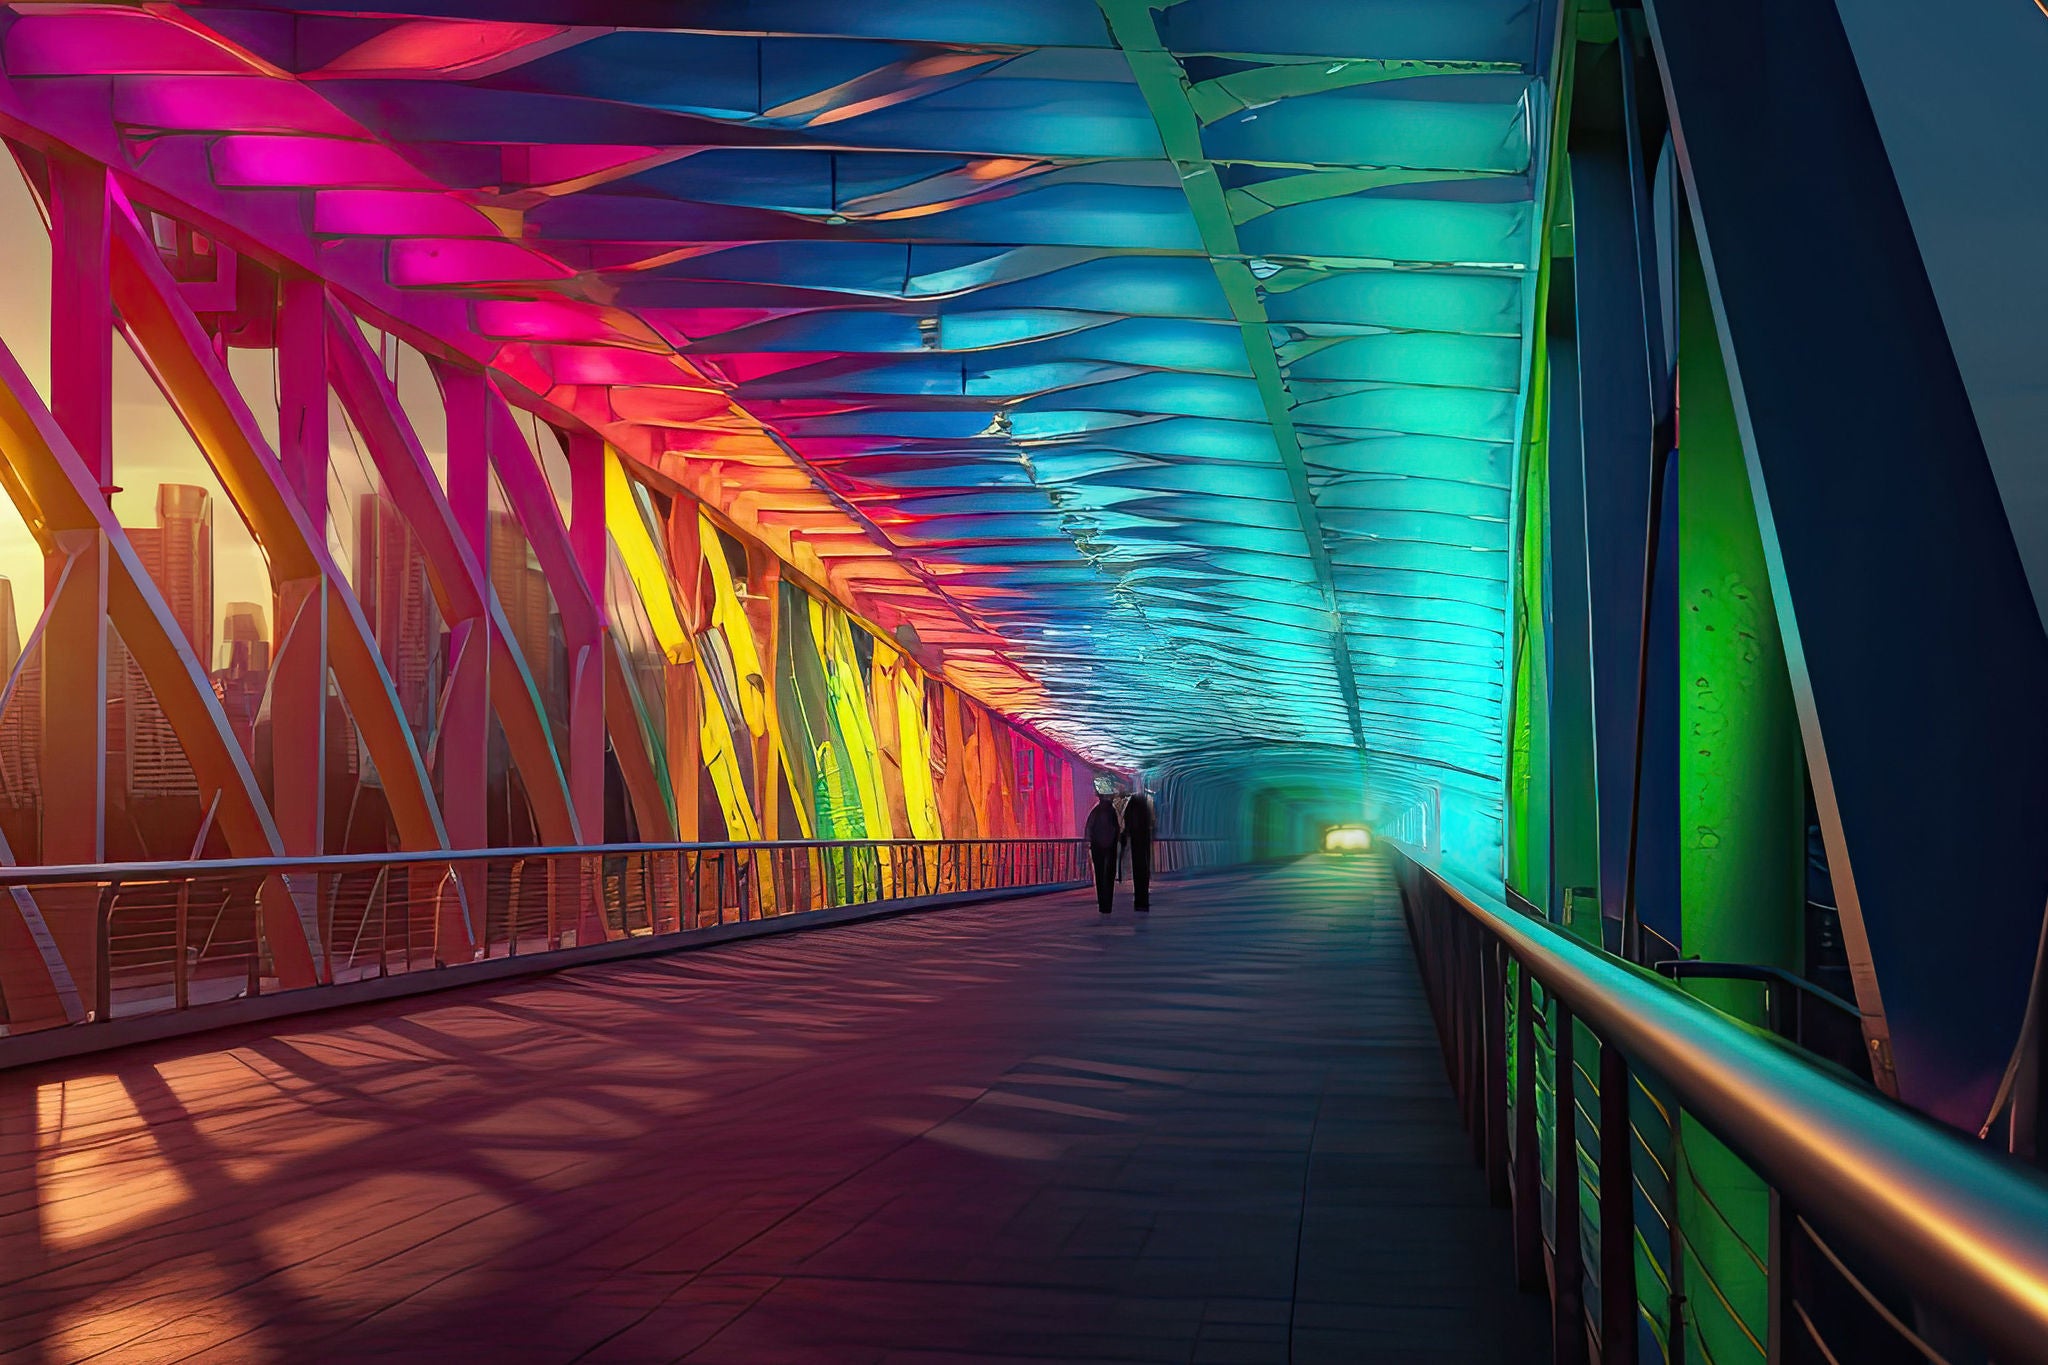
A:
x: 391, y: 574
x: 243, y: 634
x: 10, y: 631
x: 184, y: 518
x: 529, y: 609
x: 177, y: 553
x: 241, y: 683
x: 21, y: 722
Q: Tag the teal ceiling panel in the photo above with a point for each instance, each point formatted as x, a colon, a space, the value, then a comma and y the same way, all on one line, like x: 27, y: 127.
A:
x: 1179, y: 348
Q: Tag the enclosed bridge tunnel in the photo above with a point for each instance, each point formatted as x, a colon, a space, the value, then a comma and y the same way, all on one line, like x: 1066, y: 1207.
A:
x: 572, y: 573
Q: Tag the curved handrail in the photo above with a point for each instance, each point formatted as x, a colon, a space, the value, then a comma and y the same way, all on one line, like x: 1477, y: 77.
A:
x: 95, y: 873
x: 1693, y: 969
x: 168, y: 937
x: 1952, y: 1220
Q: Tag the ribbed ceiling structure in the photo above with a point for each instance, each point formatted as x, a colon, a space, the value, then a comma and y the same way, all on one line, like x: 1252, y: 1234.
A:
x: 1175, y: 351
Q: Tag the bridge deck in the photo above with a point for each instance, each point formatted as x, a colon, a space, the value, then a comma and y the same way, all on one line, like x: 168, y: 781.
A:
x: 1012, y: 1132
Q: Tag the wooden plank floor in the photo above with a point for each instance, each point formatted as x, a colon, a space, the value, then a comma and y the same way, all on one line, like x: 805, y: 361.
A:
x: 1001, y: 1133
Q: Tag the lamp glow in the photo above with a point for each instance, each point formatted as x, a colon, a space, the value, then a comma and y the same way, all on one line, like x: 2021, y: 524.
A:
x: 1347, y: 839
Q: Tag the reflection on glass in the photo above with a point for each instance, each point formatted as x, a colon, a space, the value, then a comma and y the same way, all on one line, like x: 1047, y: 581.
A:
x: 25, y: 329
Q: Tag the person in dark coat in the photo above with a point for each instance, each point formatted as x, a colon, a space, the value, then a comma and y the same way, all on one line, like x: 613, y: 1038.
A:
x: 1138, y: 824
x: 1103, y: 838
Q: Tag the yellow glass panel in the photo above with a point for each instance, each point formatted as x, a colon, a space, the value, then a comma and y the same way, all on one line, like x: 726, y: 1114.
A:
x: 920, y: 795
x: 644, y: 565
x: 731, y: 618
x: 850, y: 711
x: 722, y: 762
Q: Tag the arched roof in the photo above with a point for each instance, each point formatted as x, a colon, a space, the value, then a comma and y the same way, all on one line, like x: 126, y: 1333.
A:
x: 1175, y: 355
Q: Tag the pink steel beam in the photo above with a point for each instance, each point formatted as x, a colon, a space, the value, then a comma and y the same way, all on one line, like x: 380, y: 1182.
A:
x: 75, y: 647
x: 174, y: 348
x: 38, y: 983
x: 622, y: 704
x: 355, y: 252
x: 462, y: 591
x: 60, y: 497
x: 273, y: 207
x: 298, y: 679
x: 577, y: 593
x: 587, y: 656
x: 533, y: 504
x: 464, y: 734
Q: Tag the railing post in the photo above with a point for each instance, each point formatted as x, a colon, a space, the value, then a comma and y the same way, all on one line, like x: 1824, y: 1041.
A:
x: 1777, y: 1281
x: 1471, y: 968
x: 1617, y: 1211
x: 1494, y: 985
x: 102, y: 986
x: 513, y: 869
x: 1568, y: 1274
x: 181, y: 986
x: 256, y: 949
x: 1528, y: 1183
x: 326, y: 890
x: 1430, y: 927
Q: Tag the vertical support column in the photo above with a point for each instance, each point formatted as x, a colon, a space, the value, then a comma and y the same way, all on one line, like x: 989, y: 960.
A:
x: 82, y: 310
x: 1655, y: 885
x: 999, y: 775
x: 82, y: 400
x: 684, y: 697
x: 1615, y: 427
x: 962, y: 820
x: 764, y: 616
x: 75, y: 646
x: 586, y: 669
x: 1924, y: 757
x: 1742, y: 791
x: 1742, y: 774
x: 586, y: 662
x: 298, y: 655
x: 464, y: 746
x: 1528, y: 803
x: 1574, y: 820
x: 764, y: 597
x: 298, y: 680
x: 1652, y: 879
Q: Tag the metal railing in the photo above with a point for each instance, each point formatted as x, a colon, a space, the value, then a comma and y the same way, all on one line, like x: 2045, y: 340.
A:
x: 1890, y: 1238
x: 1797, y: 1010
x: 172, y: 936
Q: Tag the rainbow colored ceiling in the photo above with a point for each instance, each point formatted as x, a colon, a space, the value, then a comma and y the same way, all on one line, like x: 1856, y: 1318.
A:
x: 1153, y: 371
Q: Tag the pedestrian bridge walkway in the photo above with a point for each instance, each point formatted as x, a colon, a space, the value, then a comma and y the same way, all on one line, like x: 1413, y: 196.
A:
x: 1004, y: 1132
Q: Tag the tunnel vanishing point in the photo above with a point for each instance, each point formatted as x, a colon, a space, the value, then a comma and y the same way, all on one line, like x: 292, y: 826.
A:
x: 796, y: 682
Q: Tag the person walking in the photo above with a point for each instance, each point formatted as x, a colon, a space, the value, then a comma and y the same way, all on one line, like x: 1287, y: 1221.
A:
x: 1138, y: 827
x: 1104, y: 839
